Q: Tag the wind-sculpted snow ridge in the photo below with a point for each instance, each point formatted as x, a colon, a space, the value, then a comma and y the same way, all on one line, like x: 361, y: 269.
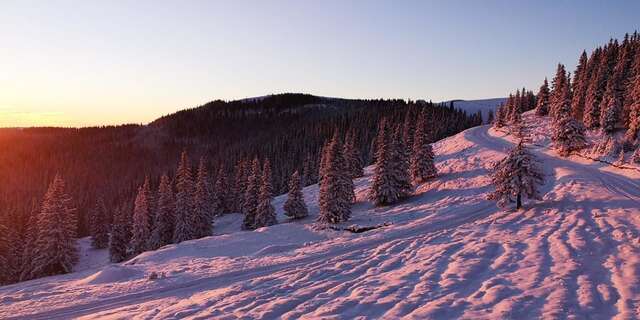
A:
x: 446, y: 253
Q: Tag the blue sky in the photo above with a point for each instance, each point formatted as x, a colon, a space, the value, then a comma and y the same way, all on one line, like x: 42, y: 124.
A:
x: 76, y: 63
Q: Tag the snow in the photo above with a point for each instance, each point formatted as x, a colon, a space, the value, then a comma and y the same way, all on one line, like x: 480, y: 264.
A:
x: 446, y: 252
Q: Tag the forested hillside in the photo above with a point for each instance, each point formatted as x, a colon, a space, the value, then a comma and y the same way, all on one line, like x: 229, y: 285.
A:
x: 103, y: 167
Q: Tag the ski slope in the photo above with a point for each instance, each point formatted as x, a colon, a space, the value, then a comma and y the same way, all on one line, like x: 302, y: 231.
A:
x: 447, y: 253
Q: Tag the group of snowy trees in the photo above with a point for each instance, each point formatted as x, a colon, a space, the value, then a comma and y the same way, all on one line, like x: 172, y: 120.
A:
x: 130, y: 201
x: 49, y: 246
x: 404, y: 157
x: 603, y: 95
x: 177, y: 212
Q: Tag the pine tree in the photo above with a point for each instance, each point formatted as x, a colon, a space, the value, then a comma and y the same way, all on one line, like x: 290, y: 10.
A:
x: 120, y: 236
x: 580, y: 87
x: 636, y: 156
x: 568, y: 135
x: 222, y: 201
x: 499, y: 120
x: 558, y: 94
x: 163, y: 227
x: 265, y: 212
x: 29, y: 242
x: 251, y: 196
x: 422, y: 167
x: 55, y: 250
x: 633, y: 100
x: 515, y: 176
x: 7, y: 272
x: 334, y: 198
x: 200, y: 219
x: 295, y: 207
x: 352, y: 157
x: 516, y: 109
x: 400, y: 161
x: 383, y: 189
x: 562, y: 102
x: 240, y: 186
x: 99, y: 225
x: 542, y: 107
x: 142, y: 224
x: 184, y: 206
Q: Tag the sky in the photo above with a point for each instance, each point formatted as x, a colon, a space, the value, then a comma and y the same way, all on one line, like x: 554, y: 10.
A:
x: 84, y: 63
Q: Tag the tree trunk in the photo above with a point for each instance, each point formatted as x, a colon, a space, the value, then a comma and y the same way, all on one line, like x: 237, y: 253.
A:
x: 519, y: 201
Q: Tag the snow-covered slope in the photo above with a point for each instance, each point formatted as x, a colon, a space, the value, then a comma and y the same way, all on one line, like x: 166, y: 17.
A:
x: 445, y: 253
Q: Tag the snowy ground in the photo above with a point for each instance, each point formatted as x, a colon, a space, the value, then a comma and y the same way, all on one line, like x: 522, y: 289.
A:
x: 448, y: 253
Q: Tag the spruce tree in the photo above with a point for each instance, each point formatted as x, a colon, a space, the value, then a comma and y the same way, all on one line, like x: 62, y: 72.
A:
x: 558, y: 94
x: 568, y: 135
x: 184, y: 206
x: 422, y: 167
x: 400, y: 161
x: 579, y: 87
x: 222, y: 200
x: 120, y: 236
x: 295, y: 207
x: 240, y: 187
x: 633, y: 100
x: 352, y: 157
x: 251, y: 196
x: 265, y: 212
x: 99, y: 225
x: 201, y: 214
x: 595, y: 90
x: 334, y: 197
x: 29, y: 242
x: 163, y: 227
x: 55, y: 250
x: 542, y: 100
x: 7, y: 272
x: 383, y: 188
x: 142, y: 224
x: 516, y: 176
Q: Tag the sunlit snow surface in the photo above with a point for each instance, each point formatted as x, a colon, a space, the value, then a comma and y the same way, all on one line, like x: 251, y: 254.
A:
x: 448, y: 254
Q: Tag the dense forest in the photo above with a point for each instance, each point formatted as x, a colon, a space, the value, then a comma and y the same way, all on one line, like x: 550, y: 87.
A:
x: 108, y: 165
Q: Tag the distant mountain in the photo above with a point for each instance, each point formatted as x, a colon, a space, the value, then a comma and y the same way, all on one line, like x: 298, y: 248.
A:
x: 484, y: 105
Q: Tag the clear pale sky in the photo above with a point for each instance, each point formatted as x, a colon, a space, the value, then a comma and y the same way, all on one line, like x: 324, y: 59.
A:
x: 79, y: 63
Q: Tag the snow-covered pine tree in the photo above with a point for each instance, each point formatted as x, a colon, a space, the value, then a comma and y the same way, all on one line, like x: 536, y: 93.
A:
x: 295, y: 207
x: 352, y: 157
x: 400, y: 162
x: 562, y: 104
x: 120, y: 236
x: 633, y: 100
x: 240, y: 187
x: 221, y: 200
x: 142, y: 225
x: 542, y: 100
x: 200, y: 219
x: 611, y: 105
x: 490, y: 119
x: 568, y: 135
x: 516, y: 109
x: 265, y: 212
x: 422, y: 167
x: 580, y: 77
x: 55, y: 250
x: 184, y: 201
x: 499, y: 120
x: 558, y: 95
x: 29, y: 242
x: 163, y: 227
x: 595, y: 89
x: 323, y: 162
x: 7, y: 272
x: 251, y: 196
x: 334, y: 199
x: 99, y: 225
x: 515, y: 176
x: 383, y: 188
